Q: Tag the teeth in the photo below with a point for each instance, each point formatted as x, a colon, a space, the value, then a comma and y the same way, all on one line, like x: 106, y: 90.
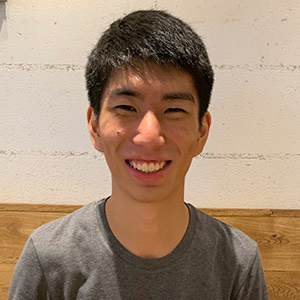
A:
x: 151, y: 167
x: 147, y: 168
x: 144, y: 168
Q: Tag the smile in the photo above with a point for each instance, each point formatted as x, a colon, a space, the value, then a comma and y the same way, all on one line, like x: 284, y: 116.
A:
x: 147, y: 166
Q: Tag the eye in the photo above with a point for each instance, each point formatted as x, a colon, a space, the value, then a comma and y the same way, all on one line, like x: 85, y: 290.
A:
x: 126, y: 108
x: 175, y: 110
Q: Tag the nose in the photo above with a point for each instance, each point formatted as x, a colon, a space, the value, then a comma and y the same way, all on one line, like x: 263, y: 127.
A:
x: 149, y: 134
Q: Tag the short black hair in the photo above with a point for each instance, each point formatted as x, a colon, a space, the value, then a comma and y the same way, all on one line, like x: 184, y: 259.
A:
x: 149, y: 35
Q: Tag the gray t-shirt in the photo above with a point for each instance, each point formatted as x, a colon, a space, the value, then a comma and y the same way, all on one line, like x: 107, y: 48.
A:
x: 78, y: 257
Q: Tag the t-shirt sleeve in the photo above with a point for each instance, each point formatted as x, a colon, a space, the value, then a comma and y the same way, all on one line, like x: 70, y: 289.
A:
x: 28, y: 280
x: 254, y: 285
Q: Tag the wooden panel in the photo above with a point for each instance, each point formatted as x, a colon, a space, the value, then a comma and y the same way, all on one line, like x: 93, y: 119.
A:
x: 6, y: 271
x: 283, y: 285
x: 286, y: 213
x: 38, y: 207
x: 222, y: 212
x: 277, y: 233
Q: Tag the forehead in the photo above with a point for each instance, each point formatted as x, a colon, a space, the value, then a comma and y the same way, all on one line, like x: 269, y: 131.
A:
x: 150, y: 75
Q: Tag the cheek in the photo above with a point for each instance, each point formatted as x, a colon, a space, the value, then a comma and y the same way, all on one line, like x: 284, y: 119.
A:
x: 186, y: 141
x: 185, y: 135
x: 109, y: 129
x: 111, y: 134
x: 111, y: 138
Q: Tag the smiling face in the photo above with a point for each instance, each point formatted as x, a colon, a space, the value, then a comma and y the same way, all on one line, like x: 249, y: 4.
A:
x: 149, y: 131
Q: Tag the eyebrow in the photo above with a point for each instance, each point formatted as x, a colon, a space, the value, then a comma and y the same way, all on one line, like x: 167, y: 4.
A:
x: 183, y: 96
x: 170, y: 96
x: 124, y: 92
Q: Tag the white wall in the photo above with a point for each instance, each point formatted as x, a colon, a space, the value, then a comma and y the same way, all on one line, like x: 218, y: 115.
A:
x: 252, y: 159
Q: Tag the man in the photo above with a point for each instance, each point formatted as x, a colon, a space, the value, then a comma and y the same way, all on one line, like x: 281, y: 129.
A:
x: 149, y: 83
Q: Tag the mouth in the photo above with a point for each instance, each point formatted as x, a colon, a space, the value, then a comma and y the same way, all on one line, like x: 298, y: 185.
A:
x: 147, y: 166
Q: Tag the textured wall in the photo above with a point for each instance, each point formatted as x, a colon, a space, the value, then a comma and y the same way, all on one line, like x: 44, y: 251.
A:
x: 252, y: 159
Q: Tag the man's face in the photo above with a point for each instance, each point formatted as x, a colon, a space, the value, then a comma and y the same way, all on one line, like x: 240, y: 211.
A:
x: 149, y: 131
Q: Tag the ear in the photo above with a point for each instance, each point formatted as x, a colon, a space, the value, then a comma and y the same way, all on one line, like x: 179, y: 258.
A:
x: 93, y: 126
x: 203, y: 133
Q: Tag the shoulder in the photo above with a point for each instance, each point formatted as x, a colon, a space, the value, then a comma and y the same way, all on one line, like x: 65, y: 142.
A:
x: 224, y: 240
x: 68, y: 229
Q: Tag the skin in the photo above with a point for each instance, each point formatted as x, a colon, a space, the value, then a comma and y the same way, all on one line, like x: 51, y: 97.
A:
x: 149, y: 114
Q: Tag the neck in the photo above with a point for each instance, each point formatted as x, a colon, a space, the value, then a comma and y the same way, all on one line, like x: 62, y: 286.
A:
x: 149, y: 229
